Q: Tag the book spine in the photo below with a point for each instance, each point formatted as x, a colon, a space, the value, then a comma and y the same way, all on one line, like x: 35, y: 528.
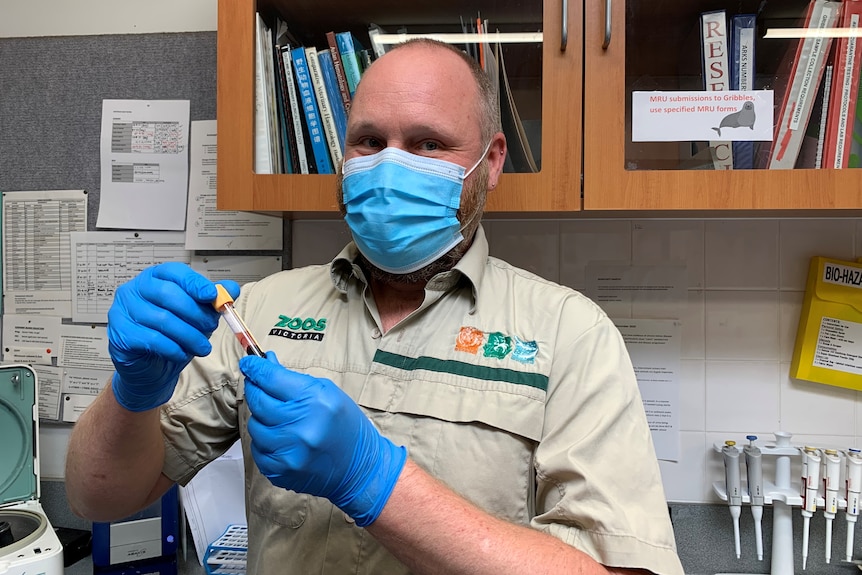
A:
x: 327, y: 121
x: 742, y: 74
x: 295, y: 113
x: 824, y: 116
x: 855, y: 159
x: 262, y: 129
x: 288, y: 145
x: 338, y: 66
x: 349, y: 59
x: 330, y: 82
x: 804, y: 81
x: 308, y: 100
x: 365, y: 58
x: 373, y: 32
x: 272, y: 100
x: 845, y: 88
x: 716, y: 74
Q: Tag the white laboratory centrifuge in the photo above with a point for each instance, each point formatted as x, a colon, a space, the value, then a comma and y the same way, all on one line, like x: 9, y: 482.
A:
x: 28, y: 543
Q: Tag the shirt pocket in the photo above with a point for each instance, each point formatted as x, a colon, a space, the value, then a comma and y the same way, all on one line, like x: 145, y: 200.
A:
x: 476, y: 436
x: 274, y: 504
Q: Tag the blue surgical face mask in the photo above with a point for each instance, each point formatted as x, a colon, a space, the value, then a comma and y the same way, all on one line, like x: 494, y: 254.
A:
x: 401, y: 208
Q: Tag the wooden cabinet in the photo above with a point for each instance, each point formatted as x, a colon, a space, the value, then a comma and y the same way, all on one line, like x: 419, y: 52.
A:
x: 656, y: 46
x: 554, y: 189
x: 584, y: 98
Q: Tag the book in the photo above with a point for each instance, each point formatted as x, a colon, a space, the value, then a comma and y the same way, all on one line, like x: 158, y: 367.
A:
x: 824, y: 116
x: 349, y: 47
x: 845, y: 88
x: 327, y: 120
x: 330, y: 82
x: 855, y: 160
x: 374, y: 32
x: 803, y: 82
x: 343, y: 89
x: 287, y: 145
x: 519, y: 153
x: 272, y: 101
x: 308, y: 101
x: 298, y: 132
x: 742, y: 72
x: 716, y: 75
x: 366, y: 56
x: 263, y: 128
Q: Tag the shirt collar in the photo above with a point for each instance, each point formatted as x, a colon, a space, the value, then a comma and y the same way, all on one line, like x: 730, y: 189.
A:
x: 471, y: 266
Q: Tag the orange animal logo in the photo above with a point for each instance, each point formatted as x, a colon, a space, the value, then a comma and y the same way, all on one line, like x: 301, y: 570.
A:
x: 470, y: 340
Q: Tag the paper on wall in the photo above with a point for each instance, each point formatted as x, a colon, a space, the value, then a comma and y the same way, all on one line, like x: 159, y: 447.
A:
x: 208, y: 228
x: 654, y: 346
x: 37, y: 279
x: 144, y: 164
x: 241, y: 269
x: 102, y: 261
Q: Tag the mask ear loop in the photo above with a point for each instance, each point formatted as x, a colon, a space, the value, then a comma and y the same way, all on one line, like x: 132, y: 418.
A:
x: 479, y: 161
x: 468, y: 223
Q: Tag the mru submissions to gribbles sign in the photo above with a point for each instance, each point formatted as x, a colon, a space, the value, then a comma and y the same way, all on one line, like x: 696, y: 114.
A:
x: 731, y: 116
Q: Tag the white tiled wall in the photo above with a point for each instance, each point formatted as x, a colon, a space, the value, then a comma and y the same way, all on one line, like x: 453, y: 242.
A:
x: 745, y: 286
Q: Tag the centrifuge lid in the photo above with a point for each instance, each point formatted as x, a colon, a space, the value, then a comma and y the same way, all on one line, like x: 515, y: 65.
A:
x: 19, y: 429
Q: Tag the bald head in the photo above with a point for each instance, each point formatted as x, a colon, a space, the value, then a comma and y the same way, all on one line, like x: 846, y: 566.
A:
x: 427, y: 56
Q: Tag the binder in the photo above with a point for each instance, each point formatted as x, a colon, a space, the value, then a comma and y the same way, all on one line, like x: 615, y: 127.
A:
x: 829, y: 337
x: 842, y: 102
x: 743, y: 32
x: 797, y: 101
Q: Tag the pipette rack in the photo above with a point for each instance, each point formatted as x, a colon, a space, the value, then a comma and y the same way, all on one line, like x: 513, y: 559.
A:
x: 782, y: 493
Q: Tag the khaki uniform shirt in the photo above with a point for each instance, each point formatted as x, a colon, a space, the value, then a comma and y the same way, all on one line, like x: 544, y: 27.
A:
x: 516, y: 392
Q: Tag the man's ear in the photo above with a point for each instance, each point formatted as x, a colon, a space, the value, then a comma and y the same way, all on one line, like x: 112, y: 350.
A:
x: 496, y: 159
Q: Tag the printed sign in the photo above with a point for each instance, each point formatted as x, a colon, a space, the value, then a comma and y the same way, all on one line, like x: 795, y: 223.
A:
x: 732, y: 116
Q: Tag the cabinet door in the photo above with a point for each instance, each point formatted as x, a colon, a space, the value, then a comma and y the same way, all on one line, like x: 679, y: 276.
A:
x: 656, y: 46
x: 543, y: 67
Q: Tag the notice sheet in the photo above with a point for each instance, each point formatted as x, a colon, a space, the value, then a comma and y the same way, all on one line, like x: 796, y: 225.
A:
x: 144, y: 164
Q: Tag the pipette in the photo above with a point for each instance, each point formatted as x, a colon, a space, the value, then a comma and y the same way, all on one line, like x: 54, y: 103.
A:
x: 754, y: 472
x: 734, y: 490
x: 831, y: 477
x: 854, y: 487
x: 810, y: 487
x: 224, y: 305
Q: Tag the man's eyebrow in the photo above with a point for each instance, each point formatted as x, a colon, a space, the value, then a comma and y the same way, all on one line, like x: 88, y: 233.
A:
x: 362, y: 126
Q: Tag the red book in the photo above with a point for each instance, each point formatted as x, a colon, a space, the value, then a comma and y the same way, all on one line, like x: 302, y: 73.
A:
x: 845, y: 88
x: 806, y: 72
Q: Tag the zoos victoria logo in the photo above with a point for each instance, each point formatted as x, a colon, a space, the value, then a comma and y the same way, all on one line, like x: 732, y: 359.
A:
x: 299, y: 328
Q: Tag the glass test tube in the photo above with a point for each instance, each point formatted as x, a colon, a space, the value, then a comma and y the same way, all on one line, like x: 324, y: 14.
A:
x: 224, y: 305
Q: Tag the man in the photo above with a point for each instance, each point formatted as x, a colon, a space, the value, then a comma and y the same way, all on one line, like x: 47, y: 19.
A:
x: 441, y: 411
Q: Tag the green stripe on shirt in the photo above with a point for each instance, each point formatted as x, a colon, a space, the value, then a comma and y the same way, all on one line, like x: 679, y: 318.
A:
x: 536, y: 380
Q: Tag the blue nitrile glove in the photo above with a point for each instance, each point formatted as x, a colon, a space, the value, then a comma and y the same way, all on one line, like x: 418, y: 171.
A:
x: 308, y: 436
x: 158, y: 321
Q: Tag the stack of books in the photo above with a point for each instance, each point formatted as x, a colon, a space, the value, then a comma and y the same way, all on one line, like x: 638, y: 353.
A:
x: 816, y: 88
x: 302, y: 96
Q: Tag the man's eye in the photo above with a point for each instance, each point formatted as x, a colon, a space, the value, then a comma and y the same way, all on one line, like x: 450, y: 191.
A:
x: 371, y: 143
x: 430, y: 146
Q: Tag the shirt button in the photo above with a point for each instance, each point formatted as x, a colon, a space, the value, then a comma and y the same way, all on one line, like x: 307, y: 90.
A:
x: 348, y: 519
x: 375, y: 333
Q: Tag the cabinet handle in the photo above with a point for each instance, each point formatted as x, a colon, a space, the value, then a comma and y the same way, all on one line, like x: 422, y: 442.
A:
x: 565, y: 29
x: 607, y: 41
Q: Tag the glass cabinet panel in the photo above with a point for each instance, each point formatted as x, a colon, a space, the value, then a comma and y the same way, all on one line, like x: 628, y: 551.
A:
x: 668, y: 51
x: 505, y: 36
